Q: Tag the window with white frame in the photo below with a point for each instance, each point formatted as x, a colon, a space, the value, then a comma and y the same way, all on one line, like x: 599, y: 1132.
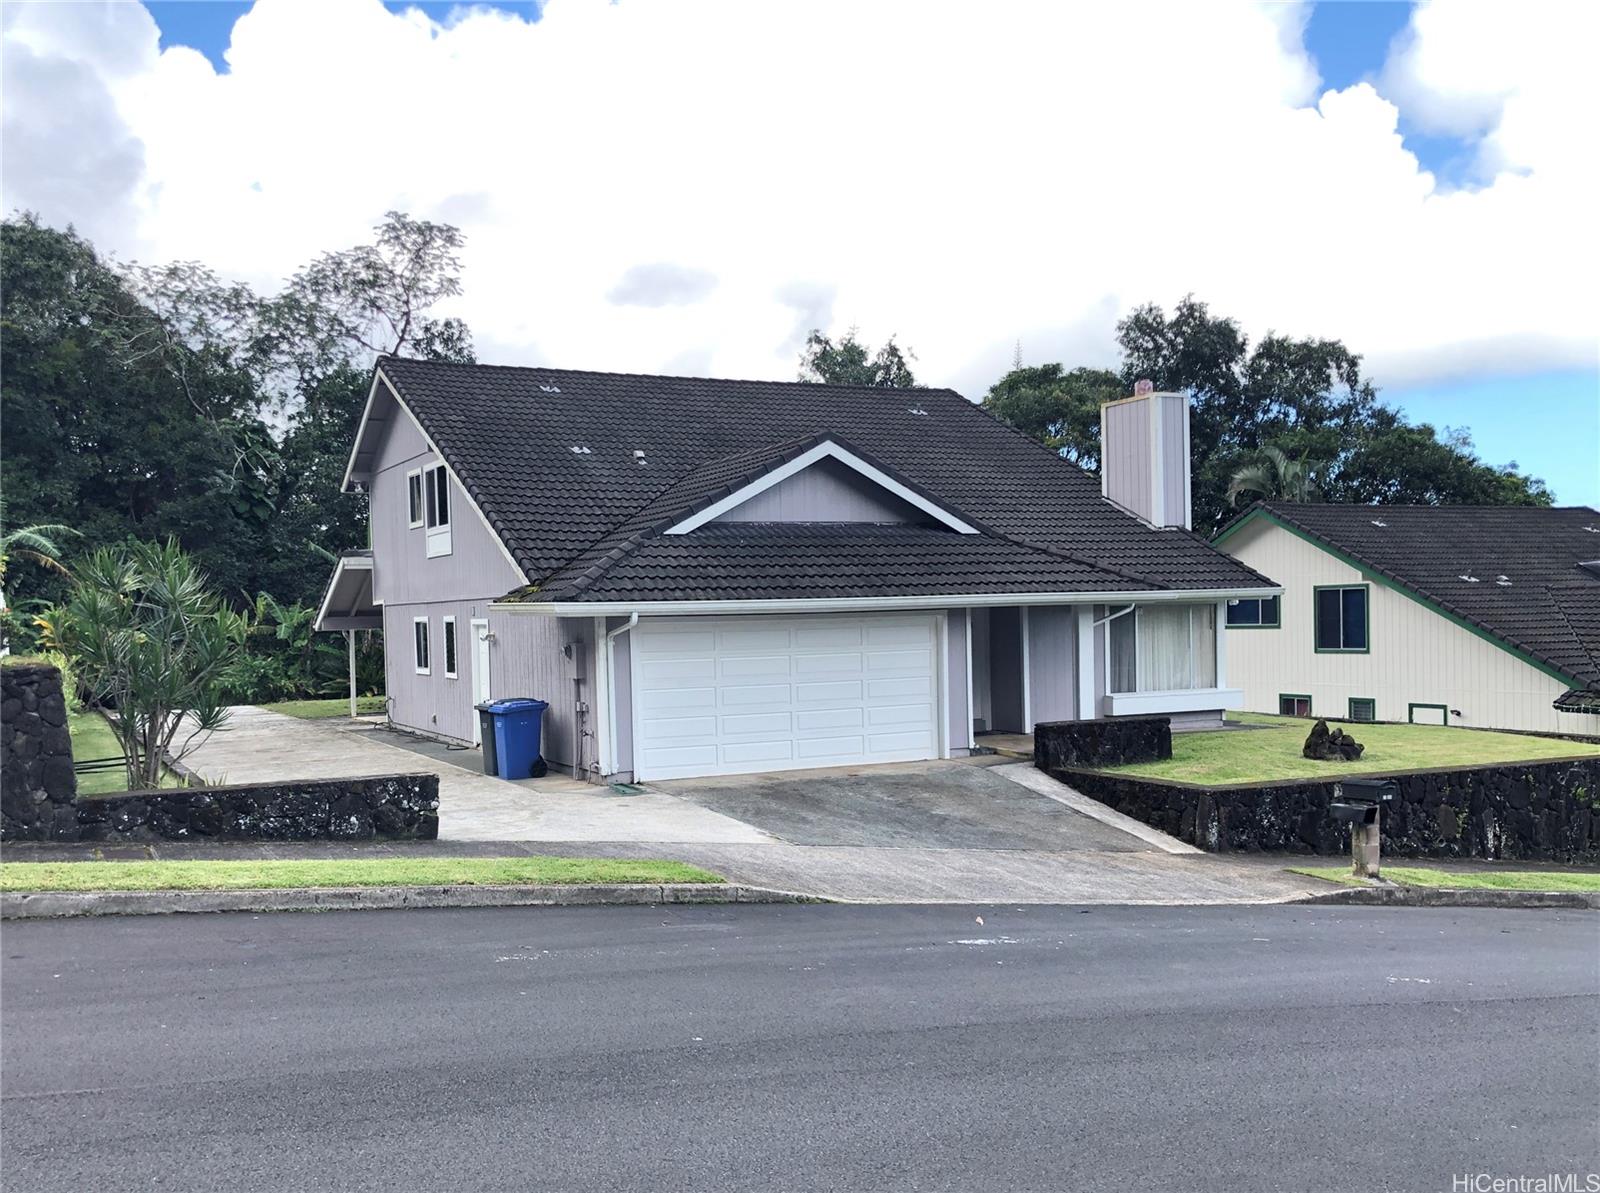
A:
x: 414, y: 498
x: 1162, y: 648
x: 448, y: 639
x: 419, y: 645
x: 436, y: 511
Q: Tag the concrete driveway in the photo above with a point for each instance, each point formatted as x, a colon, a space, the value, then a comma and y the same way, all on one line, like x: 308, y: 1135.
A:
x: 971, y: 830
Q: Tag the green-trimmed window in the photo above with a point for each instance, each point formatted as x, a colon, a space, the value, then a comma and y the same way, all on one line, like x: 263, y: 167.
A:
x: 1342, y: 620
x: 1253, y: 613
x: 1428, y: 714
x: 1294, y: 704
x: 1363, y: 708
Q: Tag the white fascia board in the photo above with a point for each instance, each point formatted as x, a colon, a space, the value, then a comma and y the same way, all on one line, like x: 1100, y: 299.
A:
x: 877, y: 604
x: 449, y: 471
x: 361, y: 429
x: 825, y: 450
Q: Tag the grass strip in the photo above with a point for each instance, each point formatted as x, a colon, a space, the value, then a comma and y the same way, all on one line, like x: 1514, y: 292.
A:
x: 1486, y: 880
x: 317, y: 710
x: 282, y: 875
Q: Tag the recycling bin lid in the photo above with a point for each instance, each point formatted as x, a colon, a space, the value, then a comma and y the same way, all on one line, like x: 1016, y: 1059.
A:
x: 512, y: 704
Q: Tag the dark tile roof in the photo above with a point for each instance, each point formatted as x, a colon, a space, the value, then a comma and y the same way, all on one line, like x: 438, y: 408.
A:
x: 787, y: 560
x: 509, y: 432
x: 1512, y: 571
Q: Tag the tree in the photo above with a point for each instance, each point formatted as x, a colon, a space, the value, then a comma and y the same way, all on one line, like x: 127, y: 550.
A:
x: 849, y: 362
x: 37, y: 544
x: 1276, y: 477
x: 1060, y: 408
x: 152, y: 641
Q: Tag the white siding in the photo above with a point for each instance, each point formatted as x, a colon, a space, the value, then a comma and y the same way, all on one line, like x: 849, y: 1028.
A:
x: 1417, y: 656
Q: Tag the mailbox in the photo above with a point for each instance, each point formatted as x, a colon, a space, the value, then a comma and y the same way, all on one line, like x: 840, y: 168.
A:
x: 1357, y: 805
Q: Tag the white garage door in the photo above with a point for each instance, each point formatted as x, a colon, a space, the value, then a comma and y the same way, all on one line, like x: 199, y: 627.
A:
x: 731, y: 695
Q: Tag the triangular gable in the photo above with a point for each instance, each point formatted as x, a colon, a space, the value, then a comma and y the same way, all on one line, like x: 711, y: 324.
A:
x: 826, y: 448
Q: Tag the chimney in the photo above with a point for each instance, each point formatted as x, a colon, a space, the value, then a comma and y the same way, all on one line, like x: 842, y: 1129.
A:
x: 1144, y: 455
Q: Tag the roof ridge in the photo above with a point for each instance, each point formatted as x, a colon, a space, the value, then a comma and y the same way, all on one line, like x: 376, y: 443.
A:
x: 869, y: 389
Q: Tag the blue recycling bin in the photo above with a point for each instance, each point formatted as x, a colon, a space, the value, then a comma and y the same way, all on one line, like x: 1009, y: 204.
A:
x: 511, y: 738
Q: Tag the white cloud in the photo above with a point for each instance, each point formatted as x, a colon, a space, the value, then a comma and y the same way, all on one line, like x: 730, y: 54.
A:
x: 962, y: 176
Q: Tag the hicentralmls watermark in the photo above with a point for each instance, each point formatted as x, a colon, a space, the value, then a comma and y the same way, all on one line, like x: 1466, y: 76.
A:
x: 1553, y: 1182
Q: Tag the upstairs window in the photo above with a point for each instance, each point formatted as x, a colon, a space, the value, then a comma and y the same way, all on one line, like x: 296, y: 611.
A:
x: 436, y: 499
x: 438, y: 482
x: 1254, y: 613
x: 414, y: 498
x: 1341, y: 616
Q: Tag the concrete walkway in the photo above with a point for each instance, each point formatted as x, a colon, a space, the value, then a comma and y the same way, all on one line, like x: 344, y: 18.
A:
x: 262, y: 746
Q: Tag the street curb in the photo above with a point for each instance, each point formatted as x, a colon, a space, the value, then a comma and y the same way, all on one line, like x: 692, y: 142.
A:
x: 1412, y: 896
x: 40, y: 905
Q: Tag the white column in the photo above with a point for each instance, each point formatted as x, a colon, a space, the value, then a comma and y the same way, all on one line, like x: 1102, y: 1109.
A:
x: 1222, y: 644
x: 350, y: 647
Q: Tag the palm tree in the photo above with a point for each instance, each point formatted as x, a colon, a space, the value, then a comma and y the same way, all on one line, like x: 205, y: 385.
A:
x: 34, y: 543
x: 1277, y: 478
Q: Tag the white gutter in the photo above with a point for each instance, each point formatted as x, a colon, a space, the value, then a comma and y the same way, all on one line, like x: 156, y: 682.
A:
x: 868, y: 604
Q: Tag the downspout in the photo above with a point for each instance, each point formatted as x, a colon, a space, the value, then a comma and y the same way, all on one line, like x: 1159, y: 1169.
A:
x: 611, y: 689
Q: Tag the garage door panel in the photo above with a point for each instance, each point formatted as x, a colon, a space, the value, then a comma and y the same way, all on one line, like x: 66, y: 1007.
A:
x: 735, y: 695
x: 761, y: 640
x: 765, y: 693
x: 767, y: 723
x: 758, y: 666
x: 829, y: 718
x: 678, y: 700
x: 900, y: 687
x: 900, y: 660
x: 899, y: 714
x: 765, y: 751
x: 836, y: 690
x: 665, y: 671
x: 822, y: 637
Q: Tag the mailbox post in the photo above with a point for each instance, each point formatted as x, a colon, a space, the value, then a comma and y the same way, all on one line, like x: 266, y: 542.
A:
x: 1356, y: 802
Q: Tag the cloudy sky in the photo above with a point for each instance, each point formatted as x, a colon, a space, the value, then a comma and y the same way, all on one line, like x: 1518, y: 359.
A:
x: 688, y: 187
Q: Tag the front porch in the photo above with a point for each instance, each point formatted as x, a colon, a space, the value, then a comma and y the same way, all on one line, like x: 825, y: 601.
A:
x: 1033, y: 663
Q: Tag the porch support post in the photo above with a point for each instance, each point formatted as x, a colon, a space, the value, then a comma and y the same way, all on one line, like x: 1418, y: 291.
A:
x: 1086, y: 710
x: 1222, y: 644
x: 350, y: 648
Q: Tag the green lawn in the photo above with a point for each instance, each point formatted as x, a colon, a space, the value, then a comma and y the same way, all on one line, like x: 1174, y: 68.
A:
x: 1260, y: 755
x: 275, y: 875
x: 1497, y: 880
x: 92, y: 738
x: 316, y: 710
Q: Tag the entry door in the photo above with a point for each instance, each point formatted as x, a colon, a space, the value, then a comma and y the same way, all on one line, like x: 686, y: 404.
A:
x: 733, y: 695
x: 480, y: 672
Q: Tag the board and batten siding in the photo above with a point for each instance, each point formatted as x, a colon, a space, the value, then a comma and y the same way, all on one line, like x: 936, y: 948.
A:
x: 402, y: 572
x: 527, y: 658
x: 1417, y: 656
x: 1053, y: 664
x: 433, y: 704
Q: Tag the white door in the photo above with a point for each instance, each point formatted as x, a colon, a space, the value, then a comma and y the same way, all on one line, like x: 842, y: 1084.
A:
x: 732, y: 695
x: 480, y: 673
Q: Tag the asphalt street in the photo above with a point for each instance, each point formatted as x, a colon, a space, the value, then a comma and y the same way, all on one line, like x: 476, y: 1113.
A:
x: 800, y: 1047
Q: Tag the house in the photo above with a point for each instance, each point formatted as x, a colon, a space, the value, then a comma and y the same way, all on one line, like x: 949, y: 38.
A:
x: 1483, y: 616
x: 714, y: 577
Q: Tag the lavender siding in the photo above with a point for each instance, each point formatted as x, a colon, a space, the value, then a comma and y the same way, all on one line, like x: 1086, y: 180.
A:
x: 959, y: 729
x: 402, y: 572
x: 527, y: 658
x: 828, y: 491
x: 434, y: 703
x: 1128, y: 450
x: 1053, y: 663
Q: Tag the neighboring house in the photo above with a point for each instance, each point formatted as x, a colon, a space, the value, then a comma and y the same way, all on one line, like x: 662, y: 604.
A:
x: 712, y: 577
x: 1484, y: 616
